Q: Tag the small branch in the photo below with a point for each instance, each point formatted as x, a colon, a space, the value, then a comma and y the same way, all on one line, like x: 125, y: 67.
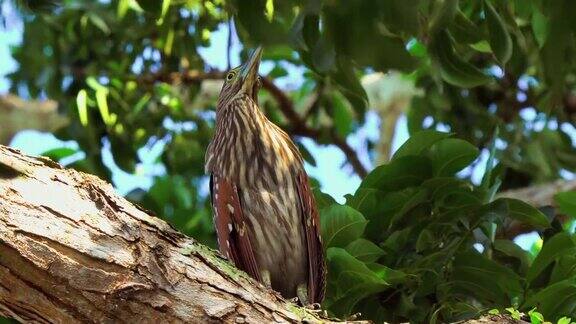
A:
x: 299, y: 127
x: 314, y: 102
x: 296, y: 123
x: 284, y: 102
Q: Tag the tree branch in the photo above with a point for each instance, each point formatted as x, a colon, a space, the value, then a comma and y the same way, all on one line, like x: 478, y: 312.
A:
x: 297, y: 124
x: 73, y: 251
x: 538, y: 196
x: 17, y: 114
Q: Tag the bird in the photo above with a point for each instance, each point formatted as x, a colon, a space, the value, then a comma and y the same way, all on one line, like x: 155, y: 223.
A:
x: 263, y: 209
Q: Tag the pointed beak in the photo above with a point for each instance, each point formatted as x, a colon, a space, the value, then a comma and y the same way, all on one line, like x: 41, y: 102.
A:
x: 249, y: 71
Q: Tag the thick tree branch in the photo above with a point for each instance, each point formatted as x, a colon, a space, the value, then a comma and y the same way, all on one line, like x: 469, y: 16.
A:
x: 73, y: 251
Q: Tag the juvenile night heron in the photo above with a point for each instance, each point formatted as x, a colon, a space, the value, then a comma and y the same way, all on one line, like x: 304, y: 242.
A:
x: 264, y: 211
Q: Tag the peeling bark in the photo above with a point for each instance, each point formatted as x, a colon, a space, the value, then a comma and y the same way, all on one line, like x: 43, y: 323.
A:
x: 72, y: 251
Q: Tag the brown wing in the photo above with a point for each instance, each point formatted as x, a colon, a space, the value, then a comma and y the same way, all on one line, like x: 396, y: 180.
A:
x: 231, y: 227
x: 316, y: 265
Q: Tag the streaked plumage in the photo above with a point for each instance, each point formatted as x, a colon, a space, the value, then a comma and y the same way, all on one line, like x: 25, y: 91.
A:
x: 264, y: 211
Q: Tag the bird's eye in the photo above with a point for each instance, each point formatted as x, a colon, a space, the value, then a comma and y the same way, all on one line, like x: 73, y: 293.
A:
x: 230, y: 76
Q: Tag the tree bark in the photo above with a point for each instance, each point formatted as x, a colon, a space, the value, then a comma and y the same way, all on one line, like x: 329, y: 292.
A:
x: 72, y: 251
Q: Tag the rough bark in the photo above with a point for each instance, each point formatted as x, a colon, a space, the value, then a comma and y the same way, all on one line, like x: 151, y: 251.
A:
x: 72, y: 251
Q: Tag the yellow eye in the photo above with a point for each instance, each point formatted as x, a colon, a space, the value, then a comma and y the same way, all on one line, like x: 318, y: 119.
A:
x: 230, y: 76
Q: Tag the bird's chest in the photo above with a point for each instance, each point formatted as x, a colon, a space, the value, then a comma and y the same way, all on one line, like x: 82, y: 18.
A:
x: 276, y: 222
x: 255, y: 159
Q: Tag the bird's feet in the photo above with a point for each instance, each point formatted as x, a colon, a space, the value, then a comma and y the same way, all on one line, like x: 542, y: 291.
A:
x: 313, y: 307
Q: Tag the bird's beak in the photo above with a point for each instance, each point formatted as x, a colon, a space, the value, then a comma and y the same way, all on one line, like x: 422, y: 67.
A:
x: 249, y: 71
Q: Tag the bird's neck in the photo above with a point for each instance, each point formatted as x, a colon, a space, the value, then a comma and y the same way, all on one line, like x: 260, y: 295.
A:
x: 246, y: 144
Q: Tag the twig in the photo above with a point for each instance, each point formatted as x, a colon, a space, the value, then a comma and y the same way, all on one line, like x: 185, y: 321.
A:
x: 297, y: 124
x: 300, y: 127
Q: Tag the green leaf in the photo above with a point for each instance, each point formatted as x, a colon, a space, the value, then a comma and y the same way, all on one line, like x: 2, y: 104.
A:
x: 399, y: 174
x: 58, y: 154
x: 452, y: 155
x: 511, y: 249
x: 102, y: 102
x: 152, y: 6
x: 539, y: 27
x: 500, y: 40
x: 341, y: 225
x: 82, y: 107
x: 323, y: 200
x: 564, y: 320
x: 364, y: 250
x: 400, y: 16
x: 485, y: 279
x: 564, y: 268
x: 163, y: 11
x: 482, y: 47
x: 391, y: 276
x: 353, y: 280
x: 465, y: 31
x: 379, y: 207
x: 269, y: 12
x: 443, y: 15
x: 514, y: 313
x: 425, y: 240
x: 557, y: 246
x: 343, y: 118
x: 123, y: 6
x: 519, y: 210
x: 350, y: 86
x: 418, y: 198
x: 308, y: 157
x: 535, y: 317
x: 419, y: 142
x: 556, y: 300
x: 453, y: 68
x: 99, y: 22
x: 323, y: 55
x: 566, y: 202
x: 487, y: 178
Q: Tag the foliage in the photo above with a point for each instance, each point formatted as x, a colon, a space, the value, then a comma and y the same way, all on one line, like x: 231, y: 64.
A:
x: 416, y: 243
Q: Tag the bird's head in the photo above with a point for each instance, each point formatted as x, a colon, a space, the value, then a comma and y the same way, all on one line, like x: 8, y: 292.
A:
x: 242, y: 80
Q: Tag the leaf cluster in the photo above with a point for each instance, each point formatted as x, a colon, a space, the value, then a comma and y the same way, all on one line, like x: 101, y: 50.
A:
x: 416, y: 243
